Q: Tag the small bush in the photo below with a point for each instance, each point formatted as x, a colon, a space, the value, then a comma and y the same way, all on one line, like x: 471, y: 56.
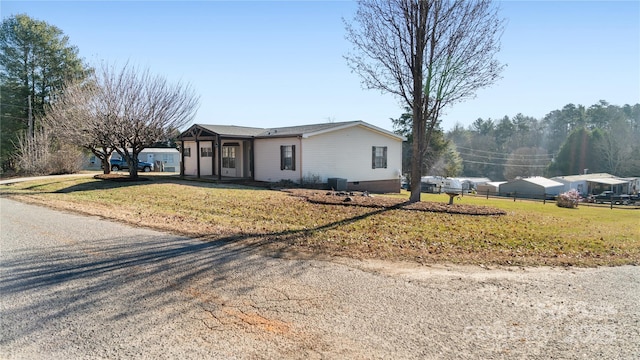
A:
x: 569, y: 199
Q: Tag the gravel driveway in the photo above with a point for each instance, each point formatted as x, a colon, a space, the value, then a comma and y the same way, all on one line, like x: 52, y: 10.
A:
x: 74, y: 287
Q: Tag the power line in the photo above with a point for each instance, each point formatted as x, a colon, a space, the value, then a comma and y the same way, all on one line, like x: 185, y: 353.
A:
x: 509, y: 157
x: 509, y: 165
x: 497, y: 152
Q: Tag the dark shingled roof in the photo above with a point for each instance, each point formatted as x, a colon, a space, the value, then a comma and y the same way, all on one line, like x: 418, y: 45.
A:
x: 300, y: 130
x: 232, y: 130
x: 303, y: 129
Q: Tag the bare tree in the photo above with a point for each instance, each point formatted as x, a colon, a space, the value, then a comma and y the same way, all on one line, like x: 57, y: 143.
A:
x: 430, y: 54
x: 84, y: 114
x: 150, y: 109
x: 123, y: 110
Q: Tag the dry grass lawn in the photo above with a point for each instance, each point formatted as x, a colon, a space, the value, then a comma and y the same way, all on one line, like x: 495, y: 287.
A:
x: 381, y: 227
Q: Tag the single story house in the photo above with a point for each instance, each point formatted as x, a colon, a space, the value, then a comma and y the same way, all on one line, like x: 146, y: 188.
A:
x: 593, y: 184
x: 164, y: 159
x: 355, y: 155
x: 580, y: 182
x: 536, y: 187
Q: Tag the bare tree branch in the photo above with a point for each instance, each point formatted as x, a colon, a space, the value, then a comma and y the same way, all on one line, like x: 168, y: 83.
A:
x: 123, y: 110
x: 430, y: 54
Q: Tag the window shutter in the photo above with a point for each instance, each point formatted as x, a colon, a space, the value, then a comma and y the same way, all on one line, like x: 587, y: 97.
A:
x: 293, y: 157
x: 373, y: 157
x: 384, y: 155
x: 281, y: 157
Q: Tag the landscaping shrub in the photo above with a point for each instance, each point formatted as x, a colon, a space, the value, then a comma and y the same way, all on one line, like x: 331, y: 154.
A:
x: 569, y: 199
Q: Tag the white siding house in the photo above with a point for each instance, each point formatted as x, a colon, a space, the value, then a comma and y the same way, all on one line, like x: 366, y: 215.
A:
x: 365, y: 156
x: 580, y: 182
x: 164, y: 159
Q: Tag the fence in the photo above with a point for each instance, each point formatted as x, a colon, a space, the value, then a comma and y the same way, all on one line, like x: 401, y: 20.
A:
x: 551, y: 198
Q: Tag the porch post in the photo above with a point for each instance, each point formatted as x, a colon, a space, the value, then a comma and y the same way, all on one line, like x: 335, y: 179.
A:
x: 251, y: 167
x: 198, y: 157
x: 219, y: 157
x: 182, y: 159
x: 213, y: 158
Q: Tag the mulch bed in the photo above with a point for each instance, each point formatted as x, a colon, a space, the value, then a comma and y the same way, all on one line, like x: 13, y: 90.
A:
x: 344, y: 198
x: 118, y: 177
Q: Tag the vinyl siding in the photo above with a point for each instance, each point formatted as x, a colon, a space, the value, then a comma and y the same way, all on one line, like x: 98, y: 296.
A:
x: 343, y: 153
x: 267, y: 160
x: 347, y: 154
x: 190, y: 163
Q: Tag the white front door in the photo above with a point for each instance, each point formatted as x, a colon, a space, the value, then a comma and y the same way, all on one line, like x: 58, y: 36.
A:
x: 230, y: 161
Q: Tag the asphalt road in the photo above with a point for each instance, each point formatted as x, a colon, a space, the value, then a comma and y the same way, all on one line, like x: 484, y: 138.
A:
x: 75, y: 287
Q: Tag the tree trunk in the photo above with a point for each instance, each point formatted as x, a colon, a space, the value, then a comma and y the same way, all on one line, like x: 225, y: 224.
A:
x: 419, y: 121
x: 106, y: 165
x: 133, y: 165
x: 417, y: 155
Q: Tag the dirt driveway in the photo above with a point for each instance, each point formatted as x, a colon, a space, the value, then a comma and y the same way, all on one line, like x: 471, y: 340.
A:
x: 74, y: 287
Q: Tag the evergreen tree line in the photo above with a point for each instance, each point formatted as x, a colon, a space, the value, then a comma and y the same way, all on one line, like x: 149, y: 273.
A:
x: 55, y: 108
x: 569, y: 141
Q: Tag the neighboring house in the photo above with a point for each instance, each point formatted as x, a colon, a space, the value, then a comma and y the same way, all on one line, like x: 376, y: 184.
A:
x: 91, y: 162
x: 164, y: 159
x: 592, y: 184
x: 359, y: 154
x: 536, y: 187
x: 580, y: 182
x: 634, y: 184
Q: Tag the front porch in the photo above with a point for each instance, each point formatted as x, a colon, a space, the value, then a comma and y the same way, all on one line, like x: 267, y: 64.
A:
x: 219, y: 155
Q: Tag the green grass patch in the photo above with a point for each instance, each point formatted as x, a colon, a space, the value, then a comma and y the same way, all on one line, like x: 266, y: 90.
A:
x: 531, y: 233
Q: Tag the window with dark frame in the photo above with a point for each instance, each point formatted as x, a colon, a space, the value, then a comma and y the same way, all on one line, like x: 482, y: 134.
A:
x: 186, y: 152
x: 206, y: 152
x: 229, y: 157
x: 287, y: 157
x: 378, y: 157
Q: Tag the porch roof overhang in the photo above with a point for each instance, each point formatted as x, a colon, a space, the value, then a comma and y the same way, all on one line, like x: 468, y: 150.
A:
x: 608, y: 181
x: 212, y: 132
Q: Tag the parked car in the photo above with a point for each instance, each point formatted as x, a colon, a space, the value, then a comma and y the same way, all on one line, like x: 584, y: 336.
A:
x: 609, y: 196
x: 121, y: 164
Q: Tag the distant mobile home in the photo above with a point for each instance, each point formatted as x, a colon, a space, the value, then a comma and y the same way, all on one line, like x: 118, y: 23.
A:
x: 592, y: 184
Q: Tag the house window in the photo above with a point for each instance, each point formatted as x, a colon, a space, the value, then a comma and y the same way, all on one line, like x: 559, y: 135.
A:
x: 206, y: 152
x: 229, y: 157
x: 186, y: 152
x: 167, y: 158
x: 379, y: 157
x: 288, y: 157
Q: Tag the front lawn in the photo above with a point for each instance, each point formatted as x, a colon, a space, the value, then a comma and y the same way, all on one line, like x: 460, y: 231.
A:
x: 529, y: 233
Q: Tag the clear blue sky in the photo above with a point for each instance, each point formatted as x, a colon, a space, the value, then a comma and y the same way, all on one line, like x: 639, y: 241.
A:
x: 279, y: 63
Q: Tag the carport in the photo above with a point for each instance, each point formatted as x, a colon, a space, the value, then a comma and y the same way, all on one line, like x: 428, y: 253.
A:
x: 617, y: 186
